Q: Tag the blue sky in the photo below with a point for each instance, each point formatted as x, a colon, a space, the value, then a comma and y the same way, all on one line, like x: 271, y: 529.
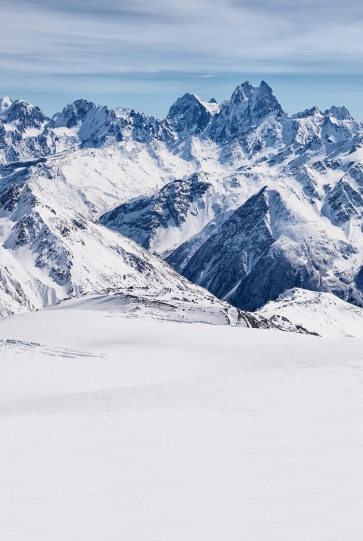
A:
x: 144, y: 54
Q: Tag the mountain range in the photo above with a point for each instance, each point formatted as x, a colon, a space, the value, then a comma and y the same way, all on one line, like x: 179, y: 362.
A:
x: 238, y: 198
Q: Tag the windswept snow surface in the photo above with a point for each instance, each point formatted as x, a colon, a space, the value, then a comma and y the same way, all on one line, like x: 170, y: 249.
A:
x: 117, y: 428
x: 322, y: 313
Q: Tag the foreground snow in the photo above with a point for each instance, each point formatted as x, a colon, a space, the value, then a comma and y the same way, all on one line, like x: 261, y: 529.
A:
x: 121, y: 428
x: 322, y: 313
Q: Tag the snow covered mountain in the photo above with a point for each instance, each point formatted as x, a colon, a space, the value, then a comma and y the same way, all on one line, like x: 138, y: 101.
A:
x: 322, y: 313
x: 51, y: 249
x: 241, y: 198
x: 24, y: 132
x: 160, y: 222
x: 49, y: 252
x: 282, y: 207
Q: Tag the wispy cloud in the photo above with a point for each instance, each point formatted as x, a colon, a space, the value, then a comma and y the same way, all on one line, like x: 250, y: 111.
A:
x: 307, y: 12
x: 74, y: 39
x: 116, y: 37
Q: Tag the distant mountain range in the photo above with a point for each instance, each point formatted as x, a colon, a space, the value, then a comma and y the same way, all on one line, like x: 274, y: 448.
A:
x: 239, y: 198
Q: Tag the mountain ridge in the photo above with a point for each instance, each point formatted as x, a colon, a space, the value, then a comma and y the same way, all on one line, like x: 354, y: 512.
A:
x: 177, y: 185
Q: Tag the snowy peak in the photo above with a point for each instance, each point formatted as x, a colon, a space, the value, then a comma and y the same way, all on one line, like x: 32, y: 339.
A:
x: 83, y: 124
x: 5, y: 103
x: 337, y: 113
x: 24, y: 132
x: 248, y: 107
x: 22, y: 115
x: 261, y: 100
x: 190, y: 115
x: 313, y: 111
x: 340, y: 113
x: 243, y: 92
x: 73, y: 114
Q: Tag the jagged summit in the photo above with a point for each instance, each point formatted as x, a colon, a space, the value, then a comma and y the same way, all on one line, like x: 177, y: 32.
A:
x: 83, y: 124
x: 24, y: 115
x: 309, y: 112
x: 5, y: 103
x: 248, y: 107
x: 243, y: 92
x: 74, y: 113
x: 340, y: 113
x: 189, y: 115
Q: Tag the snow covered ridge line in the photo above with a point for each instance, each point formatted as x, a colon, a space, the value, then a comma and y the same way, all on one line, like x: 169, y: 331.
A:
x: 241, y: 198
x: 169, y: 305
x: 323, y: 313
x: 26, y: 133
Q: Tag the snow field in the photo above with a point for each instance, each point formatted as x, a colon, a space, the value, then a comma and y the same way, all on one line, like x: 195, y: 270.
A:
x: 121, y: 428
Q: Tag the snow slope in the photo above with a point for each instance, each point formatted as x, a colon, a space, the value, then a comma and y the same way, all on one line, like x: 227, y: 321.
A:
x: 50, y: 245
x: 111, y: 429
x: 322, y: 313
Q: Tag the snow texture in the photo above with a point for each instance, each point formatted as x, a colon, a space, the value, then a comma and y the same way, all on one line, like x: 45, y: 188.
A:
x: 323, y: 313
x: 115, y: 429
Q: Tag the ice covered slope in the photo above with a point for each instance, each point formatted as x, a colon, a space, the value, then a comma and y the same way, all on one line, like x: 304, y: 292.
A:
x: 323, y: 313
x: 111, y: 428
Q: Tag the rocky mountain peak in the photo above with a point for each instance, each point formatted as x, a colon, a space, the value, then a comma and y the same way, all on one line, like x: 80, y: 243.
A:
x: 313, y: 111
x: 340, y: 113
x: 264, y: 102
x: 73, y: 114
x: 5, y: 103
x: 189, y: 115
x: 242, y: 92
x: 248, y: 107
x: 24, y: 115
